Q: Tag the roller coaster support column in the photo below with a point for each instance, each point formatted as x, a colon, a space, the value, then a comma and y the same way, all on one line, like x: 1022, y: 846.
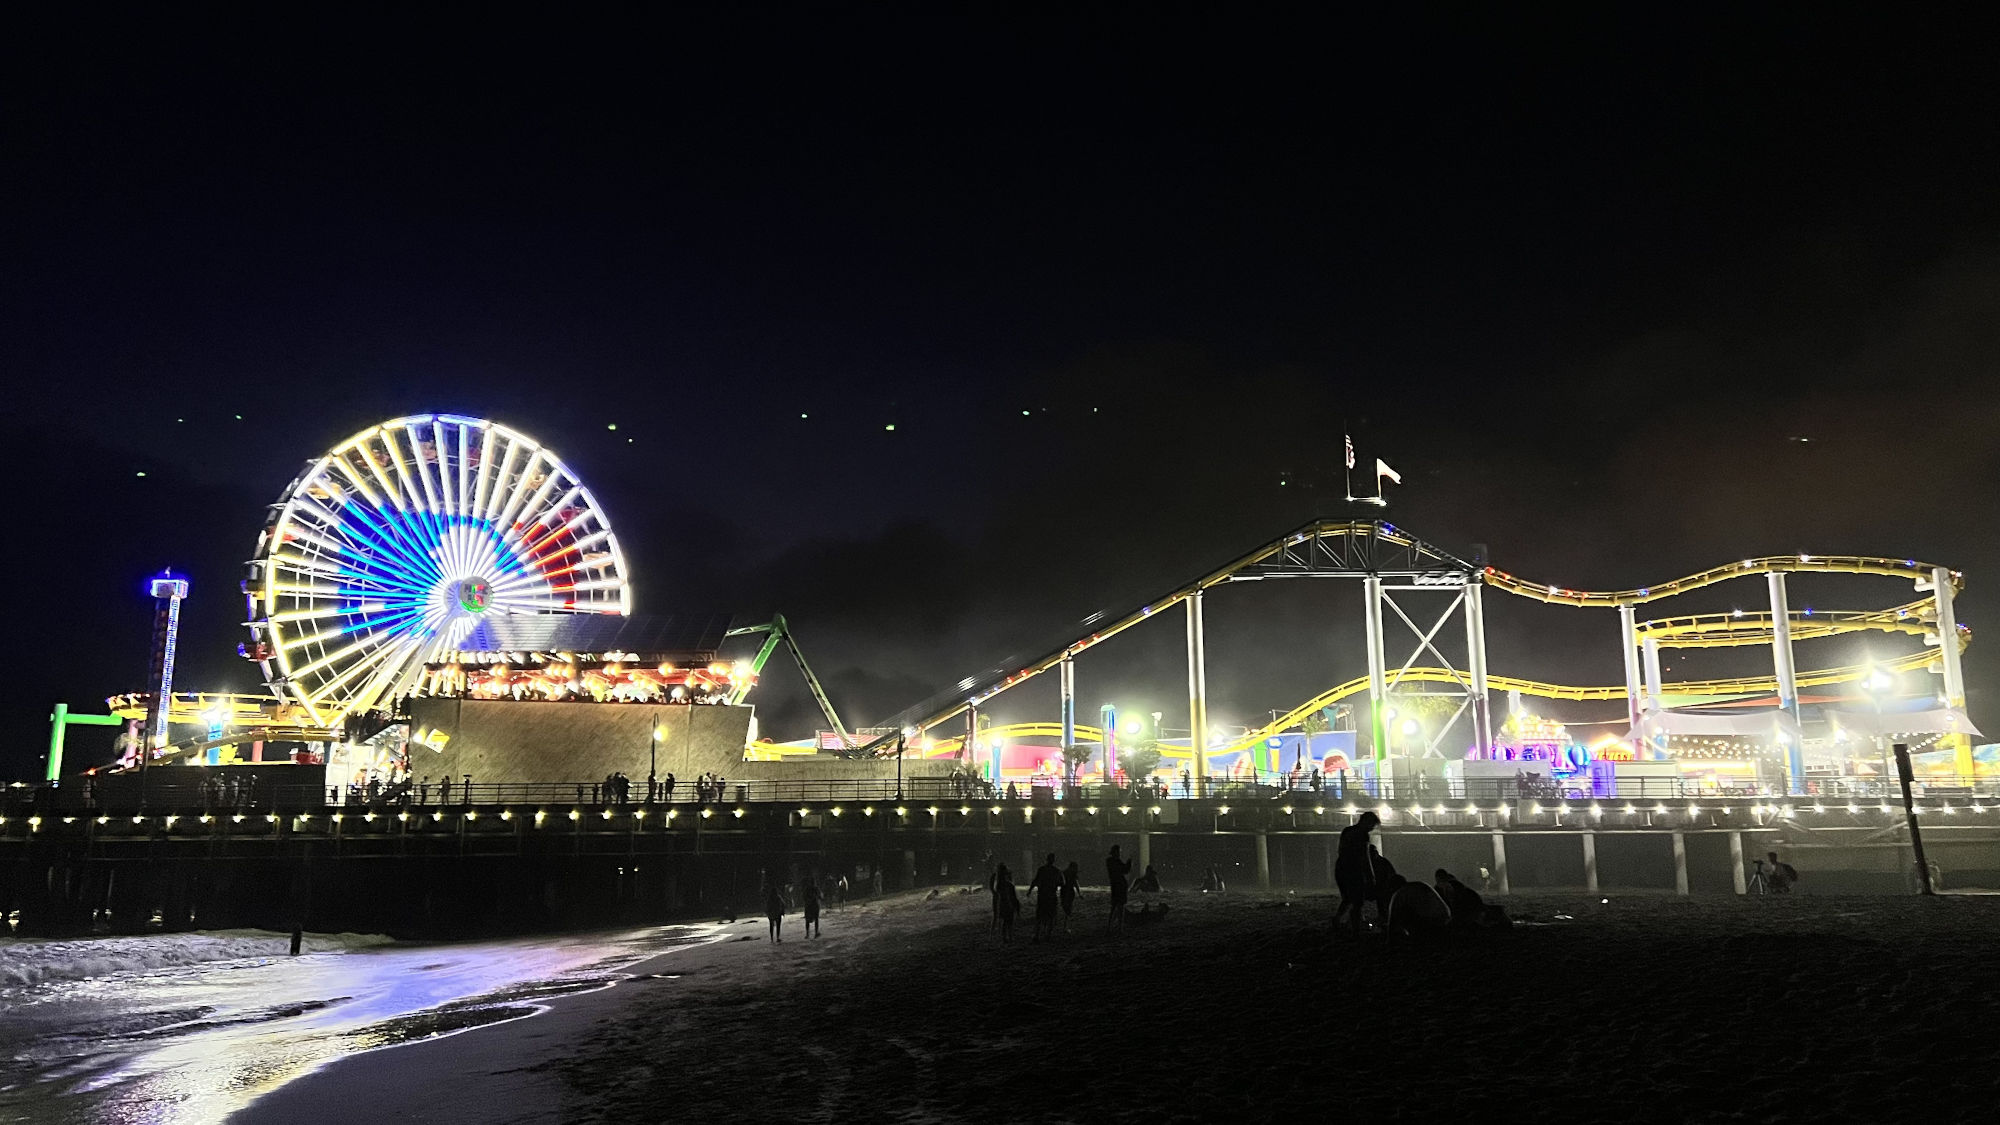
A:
x: 1655, y: 740
x: 1628, y: 634
x: 1378, y: 687
x: 1068, y: 703
x: 970, y: 747
x: 1197, y: 645
x: 1788, y: 684
x: 1475, y: 649
x: 1954, y: 671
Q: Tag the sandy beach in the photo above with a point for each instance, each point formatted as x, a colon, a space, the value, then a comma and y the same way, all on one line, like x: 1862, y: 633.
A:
x: 1244, y: 1007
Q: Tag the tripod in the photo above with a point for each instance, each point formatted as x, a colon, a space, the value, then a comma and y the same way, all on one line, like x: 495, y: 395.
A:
x: 1758, y: 883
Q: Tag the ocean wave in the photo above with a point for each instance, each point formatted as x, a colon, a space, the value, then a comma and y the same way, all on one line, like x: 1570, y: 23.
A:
x: 24, y: 963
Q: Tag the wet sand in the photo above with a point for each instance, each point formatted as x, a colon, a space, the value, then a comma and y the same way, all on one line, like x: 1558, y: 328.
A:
x: 1246, y: 1008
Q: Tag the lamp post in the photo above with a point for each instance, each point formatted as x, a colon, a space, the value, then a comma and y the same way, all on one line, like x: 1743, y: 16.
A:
x: 653, y: 761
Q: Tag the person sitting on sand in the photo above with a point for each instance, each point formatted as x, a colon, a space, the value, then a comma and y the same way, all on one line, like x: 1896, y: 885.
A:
x: 1006, y: 902
x: 1353, y: 873
x: 774, y: 909
x: 1116, y: 872
x: 1149, y: 882
x: 1781, y: 875
x: 1466, y: 906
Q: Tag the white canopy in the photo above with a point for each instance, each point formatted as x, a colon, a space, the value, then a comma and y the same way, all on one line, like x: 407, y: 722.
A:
x: 1755, y: 724
x: 1938, y: 720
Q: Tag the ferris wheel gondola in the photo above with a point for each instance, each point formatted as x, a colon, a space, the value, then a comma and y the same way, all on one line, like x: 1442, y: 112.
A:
x: 387, y: 551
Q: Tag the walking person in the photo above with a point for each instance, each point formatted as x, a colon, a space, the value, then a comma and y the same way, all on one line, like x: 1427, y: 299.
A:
x: 668, y: 787
x: 1069, y: 893
x: 1006, y: 902
x: 444, y: 790
x: 1047, y: 885
x: 774, y: 909
x: 1117, y: 871
x: 809, y: 898
x: 1354, y: 870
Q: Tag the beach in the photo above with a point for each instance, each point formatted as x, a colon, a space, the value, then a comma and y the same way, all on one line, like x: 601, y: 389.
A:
x: 1245, y: 1007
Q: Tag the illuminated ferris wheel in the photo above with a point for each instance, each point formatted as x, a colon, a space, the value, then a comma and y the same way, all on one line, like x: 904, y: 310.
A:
x: 387, y: 551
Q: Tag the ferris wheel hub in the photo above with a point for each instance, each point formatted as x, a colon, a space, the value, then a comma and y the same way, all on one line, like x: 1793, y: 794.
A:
x: 472, y: 595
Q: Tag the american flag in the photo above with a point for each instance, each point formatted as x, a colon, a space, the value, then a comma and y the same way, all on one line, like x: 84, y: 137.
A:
x: 1350, y: 451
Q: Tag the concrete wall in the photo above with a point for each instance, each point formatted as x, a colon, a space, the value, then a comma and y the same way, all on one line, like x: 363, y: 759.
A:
x: 513, y: 741
x: 517, y: 740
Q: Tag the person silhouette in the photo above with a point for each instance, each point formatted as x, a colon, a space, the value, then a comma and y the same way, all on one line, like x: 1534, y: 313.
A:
x: 1047, y: 885
x: 809, y: 898
x: 1353, y: 870
x: 774, y: 909
x: 1117, y: 870
x: 1006, y: 902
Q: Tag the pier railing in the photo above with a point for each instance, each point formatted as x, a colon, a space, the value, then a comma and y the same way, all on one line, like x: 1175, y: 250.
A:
x: 167, y: 792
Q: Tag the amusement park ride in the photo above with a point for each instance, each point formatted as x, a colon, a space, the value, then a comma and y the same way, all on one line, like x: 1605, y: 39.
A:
x: 1389, y: 562
x: 385, y: 555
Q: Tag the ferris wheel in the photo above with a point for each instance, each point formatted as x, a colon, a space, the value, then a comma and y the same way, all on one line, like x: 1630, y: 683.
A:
x: 388, y: 551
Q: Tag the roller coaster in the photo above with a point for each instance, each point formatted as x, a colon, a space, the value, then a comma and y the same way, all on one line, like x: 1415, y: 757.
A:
x: 1385, y: 559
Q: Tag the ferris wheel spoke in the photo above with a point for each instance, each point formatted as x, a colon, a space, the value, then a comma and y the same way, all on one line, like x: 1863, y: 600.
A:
x: 485, y: 479
x: 372, y: 657
x: 520, y: 494
x: 418, y: 463
x: 411, y: 497
x: 354, y: 477
x: 498, y: 495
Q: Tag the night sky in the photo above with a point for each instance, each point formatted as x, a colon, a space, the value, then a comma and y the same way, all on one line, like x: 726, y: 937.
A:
x: 1621, y: 300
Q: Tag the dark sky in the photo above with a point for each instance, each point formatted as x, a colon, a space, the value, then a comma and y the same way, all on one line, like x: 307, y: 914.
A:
x: 1584, y: 284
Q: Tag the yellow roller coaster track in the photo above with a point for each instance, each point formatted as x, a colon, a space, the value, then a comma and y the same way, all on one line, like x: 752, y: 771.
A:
x: 1745, y: 685
x: 1768, y: 564
x: 1293, y: 552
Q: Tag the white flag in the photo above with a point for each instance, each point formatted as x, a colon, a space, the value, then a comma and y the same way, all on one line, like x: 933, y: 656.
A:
x: 1350, y: 451
x: 1382, y: 470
